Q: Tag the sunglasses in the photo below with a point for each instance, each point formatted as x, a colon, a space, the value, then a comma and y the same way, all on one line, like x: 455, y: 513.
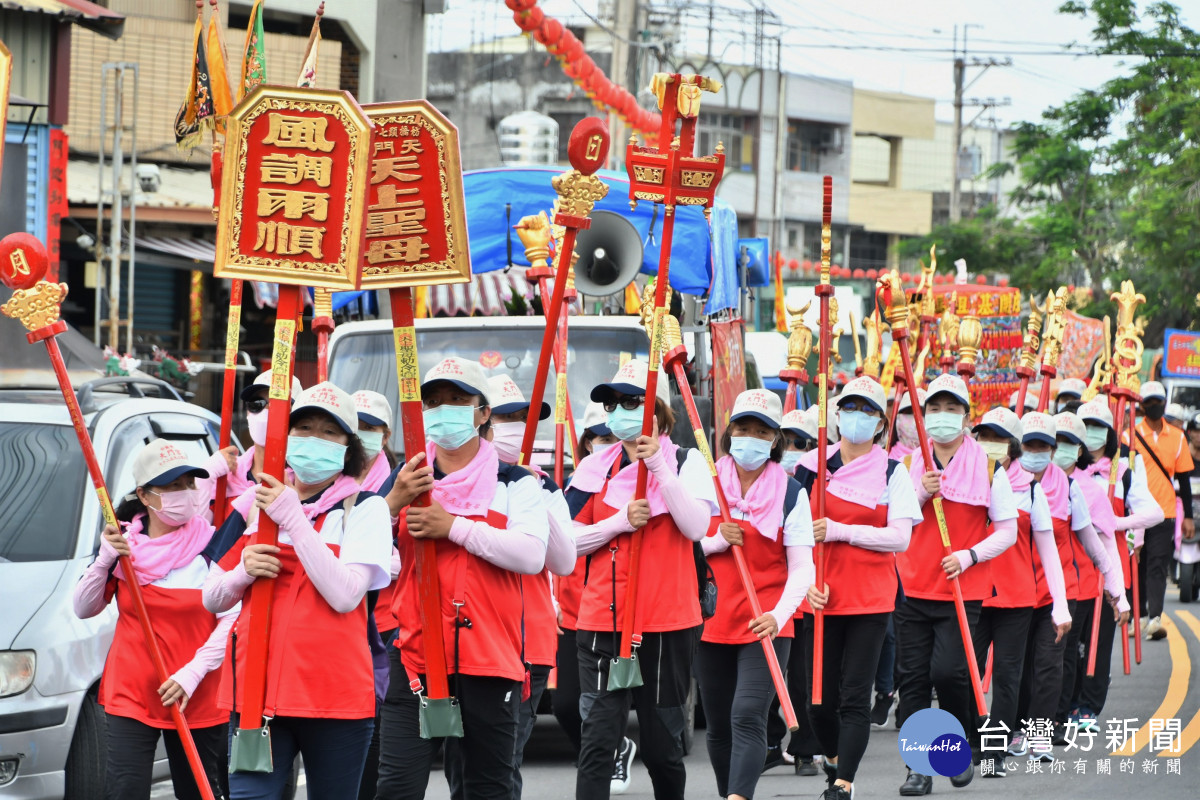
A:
x: 627, y: 403
x: 257, y: 405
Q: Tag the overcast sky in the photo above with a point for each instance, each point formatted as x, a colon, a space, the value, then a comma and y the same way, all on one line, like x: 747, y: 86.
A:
x: 918, y: 36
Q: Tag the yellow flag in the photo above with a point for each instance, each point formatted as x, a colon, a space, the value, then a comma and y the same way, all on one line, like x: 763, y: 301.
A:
x: 218, y: 75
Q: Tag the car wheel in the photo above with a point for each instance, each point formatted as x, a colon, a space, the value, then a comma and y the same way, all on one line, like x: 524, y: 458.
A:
x: 1187, y: 581
x: 88, y: 754
x: 689, y: 718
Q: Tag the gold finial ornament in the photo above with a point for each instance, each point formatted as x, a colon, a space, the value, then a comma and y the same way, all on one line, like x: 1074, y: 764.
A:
x: 948, y: 325
x: 928, y: 304
x: 646, y: 313
x: 836, y: 334
x: 37, y: 306
x: 873, y: 326
x: 1102, y: 372
x: 534, y: 231
x: 970, y: 335
x: 1032, y: 344
x: 800, y: 337
x: 1127, y: 343
x: 671, y: 335
x: 578, y: 193
x: 322, y: 302
x: 1055, y: 325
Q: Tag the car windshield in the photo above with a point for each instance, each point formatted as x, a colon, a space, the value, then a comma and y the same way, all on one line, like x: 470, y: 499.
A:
x: 1186, y: 396
x: 368, y: 361
x: 41, y: 491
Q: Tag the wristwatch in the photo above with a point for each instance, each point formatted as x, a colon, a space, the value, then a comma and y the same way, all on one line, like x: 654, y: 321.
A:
x: 974, y: 557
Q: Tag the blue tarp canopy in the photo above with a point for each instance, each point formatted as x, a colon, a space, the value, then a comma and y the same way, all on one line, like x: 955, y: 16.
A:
x: 696, y: 255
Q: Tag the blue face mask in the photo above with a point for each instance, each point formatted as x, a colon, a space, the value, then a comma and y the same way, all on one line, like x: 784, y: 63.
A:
x: 748, y: 452
x: 314, y: 459
x: 790, y: 460
x: 372, y: 443
x: 450, y: 427
x: 857, y: 427
x: 1096, y: 438
x: 944, y: 426
x: 1066, y: 455
x: 1035, y: 462
x: 625, y: 424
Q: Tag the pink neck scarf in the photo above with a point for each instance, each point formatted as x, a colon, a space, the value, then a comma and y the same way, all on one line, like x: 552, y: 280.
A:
x: 377, y: 474
x: 1103, y: 465
x: 899, y: 451
x: 861, y: 482
x: 1058, y: 491
x: 154, y: 558
x: 236, y: 482
x: 1098, y: 506
x: 763, y: 504
x: 1018, y: 478
x: 467, y: 492
x: 594, y: 471
x: 965, y: 479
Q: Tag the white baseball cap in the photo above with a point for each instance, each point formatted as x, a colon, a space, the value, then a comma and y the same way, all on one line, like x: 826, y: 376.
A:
x: 867, y: 389
x: 1153, y: 389
x: 1072, y: 387
x: 162, y: 461
x: 263, y: 383
x: 631, y: 380
x: 760, y: 404
x: 1001, y: 422
x: 804, y: 423
x: 1175, y: 412
x: 906, y: 400
x: 1038, y: 427
x: 1071, y: 427
x: 949, y: 384
x: 372, y: 407
x: 595, y: 419
x: 333, y: 401
x: 466, y: 375
x: 507, y: 398
x: 1031, y: 398
x: 1096, y: 411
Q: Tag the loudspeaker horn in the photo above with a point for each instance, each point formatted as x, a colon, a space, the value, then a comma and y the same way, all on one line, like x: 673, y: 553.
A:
x: 610, y: 255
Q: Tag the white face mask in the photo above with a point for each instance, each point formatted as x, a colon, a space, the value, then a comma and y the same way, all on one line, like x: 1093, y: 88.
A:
x: 506, y: 438
x: 257, y: 423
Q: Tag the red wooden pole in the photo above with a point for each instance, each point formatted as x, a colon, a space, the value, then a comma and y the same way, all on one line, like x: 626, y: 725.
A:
x: 232, y: 334
x: 789, y: 397
x: 1112, y: 493
x: 824, y: 291
x: 1133, y: 578
x: 562, y: 411
x: 1026, y: 374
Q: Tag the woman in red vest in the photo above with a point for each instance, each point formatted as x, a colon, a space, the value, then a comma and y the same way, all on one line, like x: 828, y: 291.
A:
x: 675, y: 515
x: 333, y: 546
x: 1025, y: 619
x: 490, y: 526
x: 870, y: 508
x: 771, y: 524
x: 165, y: 531
x: 929, y: 647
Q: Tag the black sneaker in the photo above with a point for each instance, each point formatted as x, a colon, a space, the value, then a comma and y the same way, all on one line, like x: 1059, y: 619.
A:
x: 879, y: 712
x: 916, y: 785
x: 806, y: 767
x: 963, y: 778
x: 837, y: 793
x: 774, y: 757
x: 622, y: 768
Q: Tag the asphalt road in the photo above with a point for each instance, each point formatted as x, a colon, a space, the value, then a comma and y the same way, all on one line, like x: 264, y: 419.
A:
x: 1160, y: 688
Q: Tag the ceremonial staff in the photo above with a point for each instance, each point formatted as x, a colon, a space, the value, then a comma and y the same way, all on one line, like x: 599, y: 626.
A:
x: 798, y: 350
x: 897, y: 313
x: 928, y: 305
x: 672, y: 176
x: 35, y: 304
x: 322, y: 325
x: 824, y: 292
x: 948, y: 334
x: 292, y: 199
x: 673, y: 360
x: 1029, y: 351
x: 1056, y: 310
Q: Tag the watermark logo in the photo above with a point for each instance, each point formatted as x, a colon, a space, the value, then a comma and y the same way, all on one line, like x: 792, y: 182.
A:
x: 932, y: 742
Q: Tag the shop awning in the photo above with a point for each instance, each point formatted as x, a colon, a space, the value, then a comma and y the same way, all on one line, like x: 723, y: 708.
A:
x: 88, y: 15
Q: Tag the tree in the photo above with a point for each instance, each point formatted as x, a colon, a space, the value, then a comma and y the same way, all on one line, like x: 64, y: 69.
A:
x: 988, y: 242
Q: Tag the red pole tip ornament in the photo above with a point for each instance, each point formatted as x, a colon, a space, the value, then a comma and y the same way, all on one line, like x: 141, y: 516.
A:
x: 587, y: 149
x: 23, y: 260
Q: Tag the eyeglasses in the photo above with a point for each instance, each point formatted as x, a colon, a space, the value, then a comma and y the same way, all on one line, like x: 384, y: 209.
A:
x: 430, y: 404
x: 257, y: 405
x: 627, y: 403
x: 854, y: 405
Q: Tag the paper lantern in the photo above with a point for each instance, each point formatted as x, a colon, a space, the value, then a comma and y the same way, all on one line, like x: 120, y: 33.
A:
x: 550, y: 34
x: 981, y: 280
x: 793, y: 264
x: 520, y: 5
x: 1002, y: 282
x: 860, y: 273
x: 872, y: 274
x: 529, y: 20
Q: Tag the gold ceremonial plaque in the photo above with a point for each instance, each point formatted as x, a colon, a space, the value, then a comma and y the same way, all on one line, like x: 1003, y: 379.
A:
x: 295, y: 183
x: 415, y: 229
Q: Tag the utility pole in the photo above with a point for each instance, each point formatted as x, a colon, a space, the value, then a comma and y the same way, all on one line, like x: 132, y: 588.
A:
x: 960, y: 68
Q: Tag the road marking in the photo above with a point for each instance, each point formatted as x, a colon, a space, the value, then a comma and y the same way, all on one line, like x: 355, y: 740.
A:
x: 1191, y: 734
x: 1181, y: 668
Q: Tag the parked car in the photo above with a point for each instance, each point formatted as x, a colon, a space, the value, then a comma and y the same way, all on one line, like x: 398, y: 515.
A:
x: 52, y: 731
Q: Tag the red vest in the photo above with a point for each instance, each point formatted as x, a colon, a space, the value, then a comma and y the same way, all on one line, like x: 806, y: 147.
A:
x: 541, y: 623
x: 1013, y: 570
x: 668, y: 598
x: 1065, y: 540
x: 921, y: 571
x: 385, y: 620
x: 318, y: 661
x: 129, y: 686
x: 567, y: 590
x: 861, y: 581
x: 491, y: 601
x: 1090, y: 580
x: 766, y: 561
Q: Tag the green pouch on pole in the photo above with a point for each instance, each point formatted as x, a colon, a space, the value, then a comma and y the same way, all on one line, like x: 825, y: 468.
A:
x: 251, y: 751
x: 624, y: 673
x: 440, y: 718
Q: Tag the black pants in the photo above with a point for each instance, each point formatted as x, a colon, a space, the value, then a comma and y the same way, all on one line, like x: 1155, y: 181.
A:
x: 370, y: 776
x: 930, y: 655
x: 1073, y: 651
x: 885, y: 673
x: 1157, y: 550
x: 803, y: 744
x: 489, y: 715
x: 1091, y: 693
x: 565, y: 699
x: 736, y: 688
x: 1041, y: 677
x: 130, y: 766
x: 666, y: 666
x: 843, y: 720
x: 1006, y: 631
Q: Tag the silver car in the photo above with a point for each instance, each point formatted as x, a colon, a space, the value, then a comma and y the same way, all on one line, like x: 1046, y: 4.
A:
x: 52, y: 742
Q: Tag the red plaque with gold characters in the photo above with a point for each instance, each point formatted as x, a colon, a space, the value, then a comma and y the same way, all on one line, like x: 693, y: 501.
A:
x: 415, y: 228
x: 294, y: 188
